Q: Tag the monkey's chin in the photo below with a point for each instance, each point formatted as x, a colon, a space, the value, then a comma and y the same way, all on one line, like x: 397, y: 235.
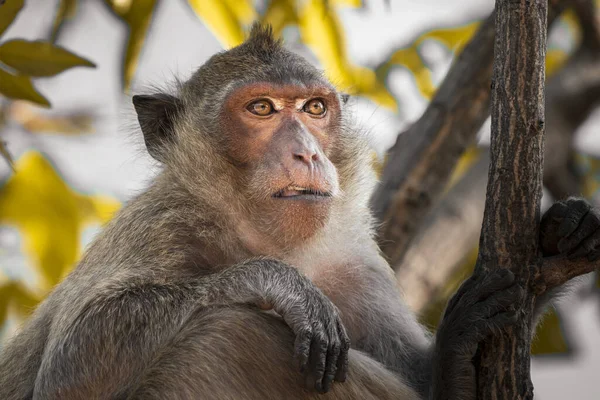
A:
x: 295, y: 219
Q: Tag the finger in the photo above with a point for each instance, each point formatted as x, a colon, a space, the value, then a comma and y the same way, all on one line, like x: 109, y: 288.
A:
x: 578, y: 208
x: 587, y: 246
x: 500, y: 301
x: 589, y: 225
x: 594, y: 255
x: 318, y: 357
x: 331, y: 364
x: 342, y: 361
x: 493, y: 282
x: 494, y: 325
x: 302, y: 347
x: 557, y: 210
x: 465, y: 287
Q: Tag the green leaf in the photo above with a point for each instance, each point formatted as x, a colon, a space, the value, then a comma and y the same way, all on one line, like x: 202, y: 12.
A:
x: 39, y: 58
x: 8, y: 12
x: 137, y: 15
x: 20, y: 87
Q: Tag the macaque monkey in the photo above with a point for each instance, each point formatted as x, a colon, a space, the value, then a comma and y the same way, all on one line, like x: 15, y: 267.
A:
x: 248, y: 269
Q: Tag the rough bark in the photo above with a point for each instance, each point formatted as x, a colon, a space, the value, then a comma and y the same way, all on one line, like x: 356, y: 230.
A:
x: 571, y: 94
x: 422, y: 159
x: 509, y: 236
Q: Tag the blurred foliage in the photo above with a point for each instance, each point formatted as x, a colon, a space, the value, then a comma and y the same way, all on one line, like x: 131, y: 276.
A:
x: 21, y: 60
x: 50, y: 216
x: 65, y: 11
x: 136, y: 15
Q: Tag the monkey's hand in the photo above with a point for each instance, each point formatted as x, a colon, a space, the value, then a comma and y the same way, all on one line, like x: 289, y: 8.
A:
x: 484, y: 304
x: 322, y: 344
x: 572, y: 228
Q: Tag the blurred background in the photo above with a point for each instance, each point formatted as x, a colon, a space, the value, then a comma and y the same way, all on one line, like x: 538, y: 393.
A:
x: 72, y: 152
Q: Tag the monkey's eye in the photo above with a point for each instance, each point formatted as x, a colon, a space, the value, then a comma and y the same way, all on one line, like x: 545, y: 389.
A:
x: 315, y: 107
x: 261, y: 107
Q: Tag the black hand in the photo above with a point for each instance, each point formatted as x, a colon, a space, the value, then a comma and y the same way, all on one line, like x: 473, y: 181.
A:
x: 322, y: 343
x: 484, y: 304
x: 571, y: 227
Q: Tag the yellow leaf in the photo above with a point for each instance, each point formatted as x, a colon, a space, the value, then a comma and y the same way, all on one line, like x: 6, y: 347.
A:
x: 411, y: 60
x: 243, y: 10
x: 49, y: 215
x: 14, y: 296
x: 225, y: 19
x: 137, y: 15
x: 347, y: 3
x: 589, y: 168
x: 66, y: 10
x: 8, y: 13
x: 20, y: 87
x: 279, y: 14
x: 555, y: 59
x: 549, y: 337
x: 39, y: 58
x: 455, y: 38
x: 321, y: 30
x: 465, y: 162
x: 432, y: 314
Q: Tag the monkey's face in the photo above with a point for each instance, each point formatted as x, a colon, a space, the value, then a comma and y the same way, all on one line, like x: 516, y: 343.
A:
x: 281, y: 138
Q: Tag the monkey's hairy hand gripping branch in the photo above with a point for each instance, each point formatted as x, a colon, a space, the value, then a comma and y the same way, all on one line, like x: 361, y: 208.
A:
x: 262, y: 201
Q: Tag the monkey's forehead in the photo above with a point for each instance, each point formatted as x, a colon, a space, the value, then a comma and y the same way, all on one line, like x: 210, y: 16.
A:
x: 227, y: 71
x: 290, y: 89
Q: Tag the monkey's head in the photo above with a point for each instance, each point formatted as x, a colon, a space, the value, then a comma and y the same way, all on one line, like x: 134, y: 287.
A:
x: 257, y: 127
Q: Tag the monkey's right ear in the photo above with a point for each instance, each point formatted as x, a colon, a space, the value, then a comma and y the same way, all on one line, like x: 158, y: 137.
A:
x: 156, y: 114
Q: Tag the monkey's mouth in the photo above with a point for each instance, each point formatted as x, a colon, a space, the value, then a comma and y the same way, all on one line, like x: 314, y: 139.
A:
x: 296, y: 192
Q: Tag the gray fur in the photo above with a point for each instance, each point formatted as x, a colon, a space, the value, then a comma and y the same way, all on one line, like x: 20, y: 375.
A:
x: 163, y: 303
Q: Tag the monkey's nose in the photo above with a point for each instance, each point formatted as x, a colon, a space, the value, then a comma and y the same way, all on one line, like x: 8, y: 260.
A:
x: 306, y: 156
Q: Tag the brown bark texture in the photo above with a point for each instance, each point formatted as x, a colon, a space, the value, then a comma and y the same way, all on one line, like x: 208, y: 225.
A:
x: 454, y: 224
x: 422, y: 159
x: 509, y: 236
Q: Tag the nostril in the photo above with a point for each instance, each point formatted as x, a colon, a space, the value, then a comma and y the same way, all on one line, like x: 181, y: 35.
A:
x: 305, y: 157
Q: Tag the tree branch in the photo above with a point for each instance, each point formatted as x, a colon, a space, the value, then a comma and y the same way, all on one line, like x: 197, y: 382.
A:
x: 556, y: 271
x: 422, y: 159
x: 448, y: 234
x: 509, y: 236
x: 571, y: 95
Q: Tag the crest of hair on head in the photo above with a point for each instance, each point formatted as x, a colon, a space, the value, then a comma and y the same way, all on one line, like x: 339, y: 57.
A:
x: 262, y: 40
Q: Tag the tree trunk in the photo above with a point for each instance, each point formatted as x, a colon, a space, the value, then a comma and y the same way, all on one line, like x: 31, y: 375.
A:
x: 422, y: 159
x: 454, y: 225
x: 509, y: 236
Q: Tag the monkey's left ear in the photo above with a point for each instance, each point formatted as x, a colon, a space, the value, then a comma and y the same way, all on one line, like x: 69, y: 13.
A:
x: 345, y: 97
x: 156, y: 115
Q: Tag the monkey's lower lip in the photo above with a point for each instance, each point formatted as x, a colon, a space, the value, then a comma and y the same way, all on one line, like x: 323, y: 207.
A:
x: 300, y: 192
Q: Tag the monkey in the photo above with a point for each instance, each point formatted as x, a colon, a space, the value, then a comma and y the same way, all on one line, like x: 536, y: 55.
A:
x: 249, y: 268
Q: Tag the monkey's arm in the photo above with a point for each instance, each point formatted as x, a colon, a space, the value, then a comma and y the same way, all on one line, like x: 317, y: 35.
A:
x: 572, y: 228
x: 103, y: 348
x: 21, y: 356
